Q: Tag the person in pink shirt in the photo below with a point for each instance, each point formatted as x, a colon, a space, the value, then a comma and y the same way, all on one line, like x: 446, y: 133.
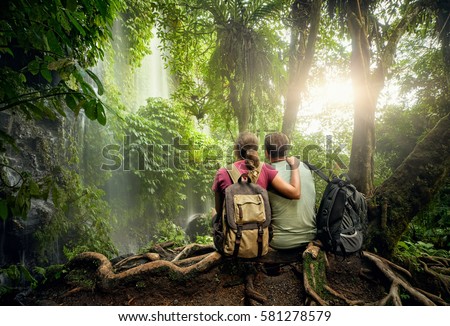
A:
x: 246, y: 153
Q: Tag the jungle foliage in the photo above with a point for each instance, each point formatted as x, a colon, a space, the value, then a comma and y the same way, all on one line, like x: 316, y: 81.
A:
x: 131, y: 175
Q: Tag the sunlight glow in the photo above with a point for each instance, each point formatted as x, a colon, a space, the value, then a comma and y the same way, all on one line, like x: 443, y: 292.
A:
x: 332, y: 95
x: 325, y: 103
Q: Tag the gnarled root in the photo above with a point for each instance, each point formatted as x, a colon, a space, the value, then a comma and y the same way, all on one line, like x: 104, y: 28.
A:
x: 108, y: 279
x: 397, y: 282
x: 250, y: 292
x: 438, y: 268
x: 135, y: 260
x: 315, y: 263
x: 320, y: 292
x: 193, y: 249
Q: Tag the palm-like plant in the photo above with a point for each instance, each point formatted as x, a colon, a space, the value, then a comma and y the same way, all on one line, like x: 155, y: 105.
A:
x: 242, y: 59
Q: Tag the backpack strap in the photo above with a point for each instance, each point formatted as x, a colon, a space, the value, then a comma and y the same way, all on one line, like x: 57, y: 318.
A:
x: 260, y: 239
x: 237, y: 242
x: 235, y: 174
x: 317, y: 171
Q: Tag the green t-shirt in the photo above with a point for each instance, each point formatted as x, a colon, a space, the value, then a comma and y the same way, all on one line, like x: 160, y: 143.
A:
x: 293, y: 221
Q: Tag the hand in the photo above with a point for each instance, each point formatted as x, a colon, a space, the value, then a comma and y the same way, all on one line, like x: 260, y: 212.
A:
x: 293, y: 162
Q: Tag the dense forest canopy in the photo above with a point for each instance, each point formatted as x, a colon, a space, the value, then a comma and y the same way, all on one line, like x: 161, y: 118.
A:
x: 114, y: 175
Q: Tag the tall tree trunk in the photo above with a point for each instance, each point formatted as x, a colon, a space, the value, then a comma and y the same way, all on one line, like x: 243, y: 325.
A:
x: 240, y: 104
x: 367, y: 86
x: 409, y: 189
x: 363, y: 142
x: 443, y: 25
x: 305, y: 16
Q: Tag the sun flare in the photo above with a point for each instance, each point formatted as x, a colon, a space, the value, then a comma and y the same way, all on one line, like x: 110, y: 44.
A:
x: 336, y: 94
x: 326, y: 102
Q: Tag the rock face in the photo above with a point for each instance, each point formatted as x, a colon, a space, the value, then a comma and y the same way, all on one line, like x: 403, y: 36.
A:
x: 198, y: 224
x: 40, y: 148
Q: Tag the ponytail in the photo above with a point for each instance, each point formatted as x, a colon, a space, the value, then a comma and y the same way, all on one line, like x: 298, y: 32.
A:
x: 246, y: 148
x: 251, y: 159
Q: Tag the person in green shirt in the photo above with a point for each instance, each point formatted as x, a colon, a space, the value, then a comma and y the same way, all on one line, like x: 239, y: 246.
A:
x: 293, y: 221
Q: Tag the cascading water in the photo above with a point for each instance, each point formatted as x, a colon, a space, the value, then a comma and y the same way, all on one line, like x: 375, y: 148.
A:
x: 46, y: 145
x: 149, y: 80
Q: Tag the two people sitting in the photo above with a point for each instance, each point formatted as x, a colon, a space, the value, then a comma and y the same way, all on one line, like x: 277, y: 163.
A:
x: 290, y: 184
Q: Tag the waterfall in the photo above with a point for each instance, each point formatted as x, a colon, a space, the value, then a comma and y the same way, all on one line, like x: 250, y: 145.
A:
x: 150, y: 79
x: 135, y: 85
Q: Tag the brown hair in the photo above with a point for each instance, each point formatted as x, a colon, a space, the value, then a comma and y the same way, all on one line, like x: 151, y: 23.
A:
x: 246, y: 148
x: 276, y: 144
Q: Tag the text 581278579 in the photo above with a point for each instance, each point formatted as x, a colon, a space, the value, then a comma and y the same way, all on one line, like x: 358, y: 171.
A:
x: 295, y: 315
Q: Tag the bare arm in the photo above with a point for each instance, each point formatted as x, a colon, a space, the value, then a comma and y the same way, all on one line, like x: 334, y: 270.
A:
x: 290, y: 190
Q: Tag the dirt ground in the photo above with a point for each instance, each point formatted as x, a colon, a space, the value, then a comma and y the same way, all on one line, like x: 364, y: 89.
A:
x: 222, y: 286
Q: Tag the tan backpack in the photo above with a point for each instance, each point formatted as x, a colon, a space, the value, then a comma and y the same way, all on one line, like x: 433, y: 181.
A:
x: 243, y: 229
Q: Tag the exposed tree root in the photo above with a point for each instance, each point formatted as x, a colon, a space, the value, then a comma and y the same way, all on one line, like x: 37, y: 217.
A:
x: 135, y: 260
x: 314, y: 296
x: 342, y: 297
x: 191, y: 260
x: 181, y: 264
x: 193, y: 249
x: 250, y: 292
x: 73, y: 291
x: 161, y: 249
x: 390, y: 264
x: 107, y: 279
x: 320, y: 292
x: 397, y: 282
x: 315, y: 264
x: 433, y: 297
x: 438, y: 270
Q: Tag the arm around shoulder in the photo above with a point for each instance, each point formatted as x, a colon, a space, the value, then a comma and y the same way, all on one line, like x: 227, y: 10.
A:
x: 290, y: 190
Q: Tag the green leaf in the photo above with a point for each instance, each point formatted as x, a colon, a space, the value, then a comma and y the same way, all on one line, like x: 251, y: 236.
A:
x: 63, y: 21
x: 101, y: 116
x: 81, y: 100
x: 47, y: 75
x: 71, y: 102
x: 58, y: 107
x: 90, y: 109
x: 6, y: 50
x: 39, y: 110
x: 87, y: 89
x: 45, y: 41
x: 75, y: 23
x: 13, y: 273
x: 22, y: 78
x: 33, y: 110
x: 54, y: 43
x: 403, y: 245
x: 34, y: 189
x: 33, y: 67
x: 94, y: 77
x: 27, y: 275
x: 3, y: 209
